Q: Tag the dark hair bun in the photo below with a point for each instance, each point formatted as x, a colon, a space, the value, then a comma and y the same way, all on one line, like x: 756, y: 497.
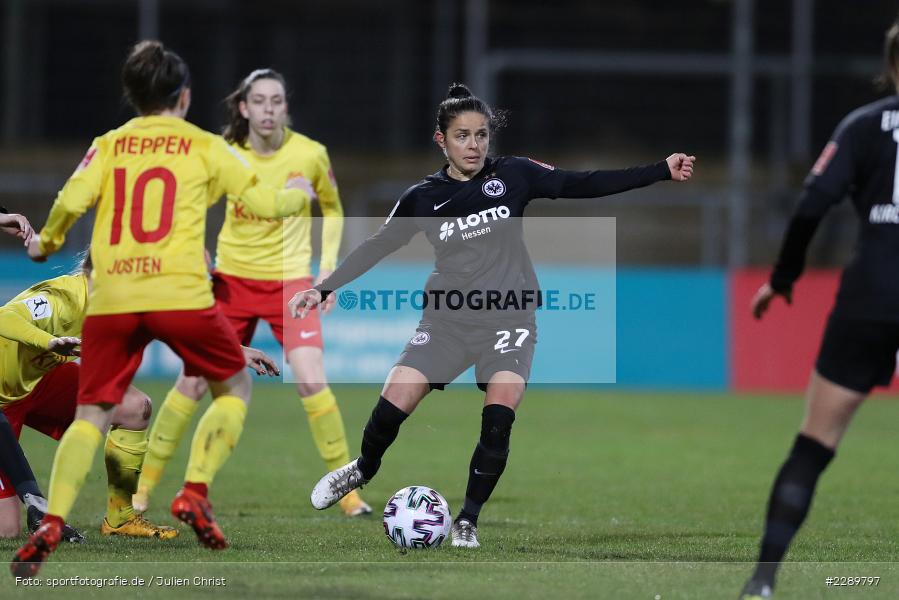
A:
x: 150, y: 51
x: 458, y: 90
x: 153, y: 77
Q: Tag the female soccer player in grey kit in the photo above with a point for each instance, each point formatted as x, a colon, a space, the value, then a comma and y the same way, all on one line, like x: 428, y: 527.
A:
x: 860, y: 342
x: 485, y: 197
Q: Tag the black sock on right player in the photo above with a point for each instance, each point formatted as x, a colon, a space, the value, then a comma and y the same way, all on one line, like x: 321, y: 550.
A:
x: 380, y: 431
x: 488, y: 460
x: 789, y: 503
x: 14, y: 463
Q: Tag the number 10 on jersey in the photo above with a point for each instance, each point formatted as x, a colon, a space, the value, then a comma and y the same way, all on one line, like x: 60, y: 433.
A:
x: 136, y: 222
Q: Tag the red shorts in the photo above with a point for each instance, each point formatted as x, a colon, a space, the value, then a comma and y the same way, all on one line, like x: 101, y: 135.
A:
x: 49, y: 408
x: 245, y: 301
x: 112, y: 347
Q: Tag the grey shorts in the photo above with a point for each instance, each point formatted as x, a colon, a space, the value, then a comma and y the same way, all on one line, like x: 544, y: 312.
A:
x: 442, y: 349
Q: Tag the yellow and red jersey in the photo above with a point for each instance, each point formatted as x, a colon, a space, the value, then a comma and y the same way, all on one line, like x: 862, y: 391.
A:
x: 272, y: 249
x: 152, y: 180
x: 47, y: 310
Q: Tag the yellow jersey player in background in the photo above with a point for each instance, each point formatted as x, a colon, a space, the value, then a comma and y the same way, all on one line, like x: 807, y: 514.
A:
x: 152, y: 180
x: 39, y: 337
x: 260, y: 263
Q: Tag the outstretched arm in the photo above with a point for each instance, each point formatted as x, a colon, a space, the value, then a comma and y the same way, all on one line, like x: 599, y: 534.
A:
x: 20, y: 328
x: 364, y: 257
x: 19, y: 324
x: 393, y: 234
x: 549, y: 182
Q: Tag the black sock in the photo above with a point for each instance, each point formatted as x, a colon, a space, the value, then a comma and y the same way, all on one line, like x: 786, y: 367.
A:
x: 14, y: 463
x: 380, y: 431
x: 789, y: 502
x: 489, y: 459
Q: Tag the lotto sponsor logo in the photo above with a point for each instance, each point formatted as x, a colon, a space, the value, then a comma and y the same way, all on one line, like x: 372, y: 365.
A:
x: 826, y: 155
x: 446, y: 230
x: 474, y: 220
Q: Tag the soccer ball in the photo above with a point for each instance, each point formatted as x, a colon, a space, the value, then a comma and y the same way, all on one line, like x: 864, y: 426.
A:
x: 417, y: 517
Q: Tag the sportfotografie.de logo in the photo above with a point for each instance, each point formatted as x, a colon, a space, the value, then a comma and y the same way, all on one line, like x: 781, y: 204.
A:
x: 470, y: 300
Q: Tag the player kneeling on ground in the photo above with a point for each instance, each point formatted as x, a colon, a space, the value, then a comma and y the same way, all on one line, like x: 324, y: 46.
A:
x: 39, y: 337
x: 39, y: 332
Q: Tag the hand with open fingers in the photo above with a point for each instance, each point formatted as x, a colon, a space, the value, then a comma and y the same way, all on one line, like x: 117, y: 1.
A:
x: 681, y: 166
x: 65, y: 346
x: 17, y: 225
x: 260, y: 362
x: 763, y: 298
x: 299, y: 182
x: 33, y: 246
x: 303, y: 302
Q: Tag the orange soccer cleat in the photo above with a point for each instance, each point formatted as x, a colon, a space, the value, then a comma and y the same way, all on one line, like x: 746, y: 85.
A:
x: 29, y: 558
x: 195, y: 510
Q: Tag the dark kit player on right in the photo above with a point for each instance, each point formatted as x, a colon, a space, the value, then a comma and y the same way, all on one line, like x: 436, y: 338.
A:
x: 859, y: 348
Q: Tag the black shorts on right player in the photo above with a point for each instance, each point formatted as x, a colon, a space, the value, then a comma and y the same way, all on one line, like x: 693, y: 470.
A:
x: 858, y: 354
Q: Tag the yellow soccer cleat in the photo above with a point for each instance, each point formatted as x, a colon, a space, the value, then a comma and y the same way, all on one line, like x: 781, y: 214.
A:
x: 139, y: 527
x: 353, y: 505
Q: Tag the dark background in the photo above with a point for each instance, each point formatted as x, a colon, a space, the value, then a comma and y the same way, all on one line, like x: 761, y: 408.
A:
x: 365, y: 78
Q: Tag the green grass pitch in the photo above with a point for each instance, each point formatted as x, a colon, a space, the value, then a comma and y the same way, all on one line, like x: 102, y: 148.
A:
x: 607, y: 495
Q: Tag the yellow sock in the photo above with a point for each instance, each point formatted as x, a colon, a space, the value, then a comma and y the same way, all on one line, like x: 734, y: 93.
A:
x: 171, y: 422
x: 326, y: 426
x: 125, y: 450
x: 72, y: 463
x: 216, y: 435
